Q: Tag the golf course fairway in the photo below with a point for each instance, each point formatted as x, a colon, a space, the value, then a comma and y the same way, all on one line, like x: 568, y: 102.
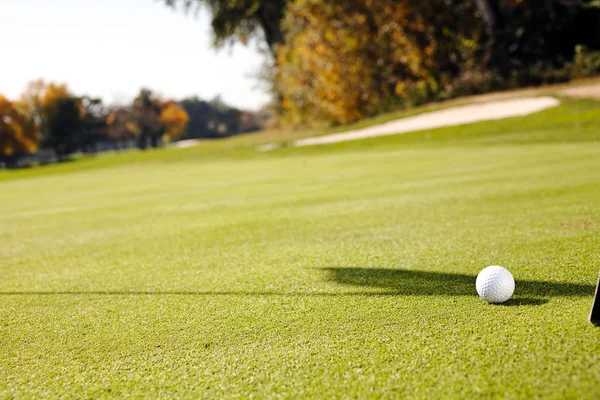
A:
x: 337, y: 271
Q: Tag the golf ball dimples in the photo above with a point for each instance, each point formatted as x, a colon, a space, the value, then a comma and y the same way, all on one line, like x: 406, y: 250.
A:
x: 495, y: 284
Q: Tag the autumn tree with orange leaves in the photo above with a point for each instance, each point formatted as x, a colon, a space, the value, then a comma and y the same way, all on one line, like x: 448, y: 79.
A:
x: 66, y: 123
x: 56, y: 113
x: 156, y: 120
x: 18, y: 136
x: 173, y: 118
x: 344, y: 60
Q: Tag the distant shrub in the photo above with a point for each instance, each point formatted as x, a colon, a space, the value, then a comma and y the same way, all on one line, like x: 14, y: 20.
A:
x: 586, y: 62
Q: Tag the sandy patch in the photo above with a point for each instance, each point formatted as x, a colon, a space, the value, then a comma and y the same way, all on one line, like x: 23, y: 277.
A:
x: 182, y: 144
x: 591, y: 91
x: 450, y: 117
x: 268, y: 147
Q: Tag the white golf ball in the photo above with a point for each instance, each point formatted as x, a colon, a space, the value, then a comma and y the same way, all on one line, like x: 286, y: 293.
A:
x: 495, y: 284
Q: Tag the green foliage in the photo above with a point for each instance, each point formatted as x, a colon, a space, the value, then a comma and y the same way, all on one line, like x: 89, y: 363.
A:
x: 586, y: 62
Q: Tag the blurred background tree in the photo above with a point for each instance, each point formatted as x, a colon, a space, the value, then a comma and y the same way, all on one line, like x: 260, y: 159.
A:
x: 214, y: 119
x: 56, y: 113
x: 49, y: 117
x: 330, y: 60
x: 156, y: 119
x: 173, y: 119
x: 18, y: 136
x: 342, y: 60
x: 64, y: 122
x: 121, y: 127
x: 30, y: 102
x: 523, y: 33
x: 94, y: 122
x: 147, y: 109
x: 242, y: 20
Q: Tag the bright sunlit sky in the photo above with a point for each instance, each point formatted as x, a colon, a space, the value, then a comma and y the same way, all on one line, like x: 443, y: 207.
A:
x: 112, y: 48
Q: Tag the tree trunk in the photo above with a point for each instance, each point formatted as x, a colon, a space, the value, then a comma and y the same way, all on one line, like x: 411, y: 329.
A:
x: 142, y: 142
x: 495, y: 26
x: 269, y: 16
x: 489, y: 17
x: 154, y: 141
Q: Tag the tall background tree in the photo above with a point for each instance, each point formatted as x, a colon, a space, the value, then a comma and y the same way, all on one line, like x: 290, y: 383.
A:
x: 121, y: 127
x: 56, y: 113
x: 155, y: 120
x: 18, y: 136
x: 94, y: 127
x: 64, y: 127
x: 147, y: 108
x: 341, y: 60
x: 49, y: 117
x: 522, y: 33
x: 242, y: 19
x: 173, y: 119
x: 215, y: 119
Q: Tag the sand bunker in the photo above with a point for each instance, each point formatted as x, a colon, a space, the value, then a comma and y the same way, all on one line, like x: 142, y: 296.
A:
x: 438, y: 119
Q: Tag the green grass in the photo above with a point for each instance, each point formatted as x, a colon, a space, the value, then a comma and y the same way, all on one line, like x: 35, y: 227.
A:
x: 329, y: 272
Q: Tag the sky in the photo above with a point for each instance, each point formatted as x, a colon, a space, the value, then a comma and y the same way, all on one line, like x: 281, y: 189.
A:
x: 112, y: 48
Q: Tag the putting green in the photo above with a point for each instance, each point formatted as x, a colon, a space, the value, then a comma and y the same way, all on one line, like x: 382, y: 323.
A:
x: 338, y: 271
